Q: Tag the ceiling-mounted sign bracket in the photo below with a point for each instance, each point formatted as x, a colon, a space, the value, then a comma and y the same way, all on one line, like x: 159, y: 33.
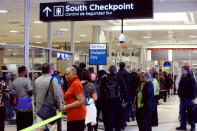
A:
x: 96, y: 10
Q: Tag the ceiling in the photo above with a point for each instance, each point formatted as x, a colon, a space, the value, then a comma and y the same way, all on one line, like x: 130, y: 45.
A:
x: 167, y: 28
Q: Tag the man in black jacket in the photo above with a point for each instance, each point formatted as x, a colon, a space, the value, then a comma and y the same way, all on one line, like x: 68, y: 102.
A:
x: 145, y: 103
x: 134, y: 85
x: 122, y: 73
x: 187, y: 94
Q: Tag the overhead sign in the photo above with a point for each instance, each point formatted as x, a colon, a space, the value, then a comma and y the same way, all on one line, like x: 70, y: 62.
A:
x: 167, y: 65
x: 98, y: 54
x: 96, y: 10
x: 62, y: 56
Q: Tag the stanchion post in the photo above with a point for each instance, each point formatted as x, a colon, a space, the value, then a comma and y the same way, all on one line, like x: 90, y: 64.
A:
x: 59, y: 123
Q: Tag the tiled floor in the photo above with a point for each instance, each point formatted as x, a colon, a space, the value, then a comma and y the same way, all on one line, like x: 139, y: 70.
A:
x: 168, y: 118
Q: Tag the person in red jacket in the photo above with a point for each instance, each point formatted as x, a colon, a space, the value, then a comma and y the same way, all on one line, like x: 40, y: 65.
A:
x: 74, y: 99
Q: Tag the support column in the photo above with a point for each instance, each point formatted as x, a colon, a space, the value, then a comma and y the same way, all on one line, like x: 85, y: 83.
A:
x: 72, y: 42
x: 110, y: 48
x: 98, y: 37
x: 120, y: 52
x: 49, y: 41
x: 143, y: 58
x: 26, y: 60
x: 130, y: 53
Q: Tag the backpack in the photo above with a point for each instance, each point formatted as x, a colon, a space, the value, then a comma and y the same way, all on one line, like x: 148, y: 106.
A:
x: 112, y: 89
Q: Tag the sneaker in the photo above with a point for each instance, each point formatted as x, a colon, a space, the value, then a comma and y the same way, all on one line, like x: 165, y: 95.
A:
x: 181, y: 128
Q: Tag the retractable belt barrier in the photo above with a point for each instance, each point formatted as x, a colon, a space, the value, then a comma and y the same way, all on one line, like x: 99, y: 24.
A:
x: 58, y: 116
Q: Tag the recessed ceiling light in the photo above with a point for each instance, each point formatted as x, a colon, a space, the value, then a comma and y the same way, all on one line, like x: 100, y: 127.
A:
x: 83, y: 35
x: 192, y: 36
x: 3, y: 43
x: 146, y: 37
x: 77, y: 41
x: 37, y: 22
x: 63, y: 29
x: 3, y: 11
x: 13, y: 31
x: 38, y: 36
x: 56, y: 45
x: 38, y: 42
x: 170, y: 32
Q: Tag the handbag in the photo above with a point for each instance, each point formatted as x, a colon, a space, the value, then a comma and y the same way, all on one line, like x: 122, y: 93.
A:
x: 192, y: 113
x: 47, y: 110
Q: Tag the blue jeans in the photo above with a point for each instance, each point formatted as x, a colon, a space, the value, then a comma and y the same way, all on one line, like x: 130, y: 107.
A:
x: 133, y: 111
x: 183, y: 104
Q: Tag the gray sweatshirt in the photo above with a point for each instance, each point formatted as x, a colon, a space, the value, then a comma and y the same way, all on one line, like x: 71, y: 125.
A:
x: 40, y: 89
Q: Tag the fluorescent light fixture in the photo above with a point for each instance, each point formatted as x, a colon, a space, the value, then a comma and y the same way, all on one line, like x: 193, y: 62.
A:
x: 38, y: 42
x: 113, y: 50
x: 63, y: 29
x: 192, y: 36
x: 117, y: 44
x: 59, y: 33
x: 3, y: 43
x: 83, y: 35
x: 38, y: 36
x: 146, y: 37
x: 164, y: 17
x: 37, y: 22
x: 3, y: 11
x: 77, y: 41
x: 170, y: 32
x: 13, y: 31
x: 152, y: 27
x: 169, y: 55
x: 153, y: 41
x: 56, y: 45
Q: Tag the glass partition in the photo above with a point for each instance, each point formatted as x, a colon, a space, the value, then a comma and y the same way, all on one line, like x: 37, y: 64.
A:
x: 11, y: 56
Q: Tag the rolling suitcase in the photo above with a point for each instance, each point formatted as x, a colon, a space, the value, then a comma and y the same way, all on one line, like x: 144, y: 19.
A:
x: 192, y: 113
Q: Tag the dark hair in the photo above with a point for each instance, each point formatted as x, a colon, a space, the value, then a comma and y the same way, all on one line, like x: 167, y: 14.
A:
x: 56, y: 72
x: 186, y: 68
x: 82, y: 65
x: 155, y: 75
x: 85, y: 75
x: 21, y: 69
x: 46, y: 67
x: 91, y: 69
x: 101, y: 73
x: 122, y: 65
x: 4, y: 68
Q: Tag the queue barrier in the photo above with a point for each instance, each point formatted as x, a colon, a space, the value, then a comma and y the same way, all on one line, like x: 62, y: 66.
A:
x: 57, y: 117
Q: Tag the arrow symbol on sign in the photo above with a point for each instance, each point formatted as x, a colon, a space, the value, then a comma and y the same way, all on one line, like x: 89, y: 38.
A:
x: 47, y: 10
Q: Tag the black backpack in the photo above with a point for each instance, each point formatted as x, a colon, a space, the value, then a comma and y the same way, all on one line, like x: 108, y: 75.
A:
x: 112, y: 89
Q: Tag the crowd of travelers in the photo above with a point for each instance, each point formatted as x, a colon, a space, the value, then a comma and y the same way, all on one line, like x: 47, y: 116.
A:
x: 114, y: 97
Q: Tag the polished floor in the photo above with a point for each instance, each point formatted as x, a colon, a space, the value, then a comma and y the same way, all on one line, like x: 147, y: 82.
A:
x: 168, y: 118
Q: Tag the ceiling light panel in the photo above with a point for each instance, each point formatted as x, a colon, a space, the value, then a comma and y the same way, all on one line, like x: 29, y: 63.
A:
x: 3, y: 11
x: 13, y: 31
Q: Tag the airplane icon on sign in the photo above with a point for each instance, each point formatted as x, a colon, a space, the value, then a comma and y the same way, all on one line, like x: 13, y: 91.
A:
x: 47, y: 10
